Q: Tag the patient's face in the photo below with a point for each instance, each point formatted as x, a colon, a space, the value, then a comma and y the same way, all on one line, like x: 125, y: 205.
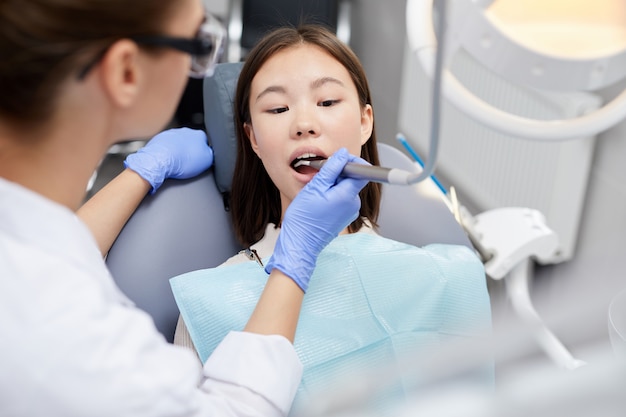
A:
x: 303, y: 103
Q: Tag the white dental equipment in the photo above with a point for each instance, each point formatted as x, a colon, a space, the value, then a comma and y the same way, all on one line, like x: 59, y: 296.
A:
x: 488, y: 30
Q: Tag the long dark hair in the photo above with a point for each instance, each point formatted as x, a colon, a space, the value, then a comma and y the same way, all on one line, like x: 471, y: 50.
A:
x: 43, y: 42
x: 255, y: 200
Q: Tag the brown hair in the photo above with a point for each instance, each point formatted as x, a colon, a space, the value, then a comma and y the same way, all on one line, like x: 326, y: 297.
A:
x: 255, y: 199
x: 43, y: 42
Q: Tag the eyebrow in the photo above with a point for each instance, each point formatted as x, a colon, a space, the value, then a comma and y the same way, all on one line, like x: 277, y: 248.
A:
x: 271, y: 89
x: 314, y: 85
x: 324, y: 80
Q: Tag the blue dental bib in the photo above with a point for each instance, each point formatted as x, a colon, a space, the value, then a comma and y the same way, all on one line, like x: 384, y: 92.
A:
x: 371, y: 300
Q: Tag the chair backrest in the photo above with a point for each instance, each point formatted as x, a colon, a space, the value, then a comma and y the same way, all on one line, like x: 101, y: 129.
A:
x: 185, y: 227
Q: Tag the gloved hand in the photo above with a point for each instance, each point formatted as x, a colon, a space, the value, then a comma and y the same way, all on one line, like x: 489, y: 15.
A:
x: 322, y: 209
x: 175, y: 153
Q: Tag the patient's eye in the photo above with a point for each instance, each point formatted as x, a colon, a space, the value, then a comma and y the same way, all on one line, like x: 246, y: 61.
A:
x: 328, y: 103
x: 278, y: 110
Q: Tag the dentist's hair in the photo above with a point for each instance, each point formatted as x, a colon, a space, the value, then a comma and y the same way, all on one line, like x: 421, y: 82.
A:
x: 45, y: 42
x: 255, y: 200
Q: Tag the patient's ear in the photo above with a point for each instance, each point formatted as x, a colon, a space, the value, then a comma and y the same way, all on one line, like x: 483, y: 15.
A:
x: 120, y: 72
x: 367, y: 123
x: 247, y: 127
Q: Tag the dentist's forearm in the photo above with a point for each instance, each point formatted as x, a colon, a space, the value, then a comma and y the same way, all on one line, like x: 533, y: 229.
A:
x: 106, y: 213
x: 278, y: 309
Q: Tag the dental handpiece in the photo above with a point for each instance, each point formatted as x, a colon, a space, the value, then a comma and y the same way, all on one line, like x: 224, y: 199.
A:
x: 368, y: 172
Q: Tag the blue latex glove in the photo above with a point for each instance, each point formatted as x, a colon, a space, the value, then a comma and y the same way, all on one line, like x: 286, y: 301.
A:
x: 175, y: 153
x: 322, y: 209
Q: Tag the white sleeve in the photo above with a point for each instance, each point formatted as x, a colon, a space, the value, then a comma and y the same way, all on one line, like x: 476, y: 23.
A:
x: 80, y: 353
x: 260, y: 377
x: 263, y: 369
x: 247, y: 375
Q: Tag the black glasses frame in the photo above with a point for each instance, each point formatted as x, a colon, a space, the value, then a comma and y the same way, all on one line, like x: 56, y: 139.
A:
x: 194, y: 47
x: 205, y: 49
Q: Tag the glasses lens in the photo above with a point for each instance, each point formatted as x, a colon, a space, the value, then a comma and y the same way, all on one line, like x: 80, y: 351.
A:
x: 213, y: 33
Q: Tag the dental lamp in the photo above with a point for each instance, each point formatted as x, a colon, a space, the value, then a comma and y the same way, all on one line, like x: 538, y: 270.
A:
x: 556, y: 51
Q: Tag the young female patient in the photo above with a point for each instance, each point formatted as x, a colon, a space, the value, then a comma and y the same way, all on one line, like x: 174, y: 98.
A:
x: 302, y: 94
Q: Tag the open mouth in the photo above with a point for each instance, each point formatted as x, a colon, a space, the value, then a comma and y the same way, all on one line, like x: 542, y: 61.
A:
x: 303, y: 169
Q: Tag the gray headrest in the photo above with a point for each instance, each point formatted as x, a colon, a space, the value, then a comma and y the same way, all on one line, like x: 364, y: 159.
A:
x: 219, y: 94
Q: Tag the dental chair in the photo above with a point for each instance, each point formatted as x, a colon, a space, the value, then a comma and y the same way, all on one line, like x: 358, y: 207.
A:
x: 186, y: 225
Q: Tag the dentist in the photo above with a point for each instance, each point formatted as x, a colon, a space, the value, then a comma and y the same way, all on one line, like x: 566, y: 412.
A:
x: 77, y: 76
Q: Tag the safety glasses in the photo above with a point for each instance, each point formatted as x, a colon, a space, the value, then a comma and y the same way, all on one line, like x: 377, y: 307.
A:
x: 205, y: 49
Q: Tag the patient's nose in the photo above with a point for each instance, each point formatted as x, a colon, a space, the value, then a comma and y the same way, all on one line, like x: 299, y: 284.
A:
x: 305, y: 124
x: 303, y: 131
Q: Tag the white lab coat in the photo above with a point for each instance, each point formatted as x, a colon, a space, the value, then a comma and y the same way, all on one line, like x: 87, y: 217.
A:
x: 71, y: 344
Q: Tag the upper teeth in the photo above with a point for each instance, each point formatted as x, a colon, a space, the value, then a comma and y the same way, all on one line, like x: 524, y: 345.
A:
x: 306, y: 155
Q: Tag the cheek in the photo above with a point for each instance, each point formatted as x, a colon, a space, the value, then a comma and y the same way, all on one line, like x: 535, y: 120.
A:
x: 180, y: 80
x: 174, y: 77
x: 347, y: 131
x: 271, y: 150
x: 263, y: 138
